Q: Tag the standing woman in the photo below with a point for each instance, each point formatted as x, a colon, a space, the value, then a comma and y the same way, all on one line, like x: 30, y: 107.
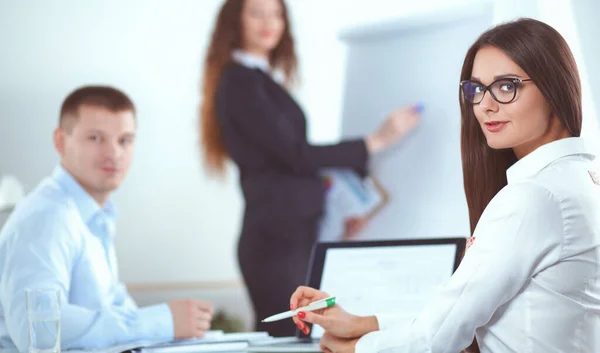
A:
x: 250, y: 118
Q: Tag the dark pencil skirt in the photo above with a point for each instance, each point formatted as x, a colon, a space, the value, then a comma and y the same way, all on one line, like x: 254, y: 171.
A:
x: 273, y: 259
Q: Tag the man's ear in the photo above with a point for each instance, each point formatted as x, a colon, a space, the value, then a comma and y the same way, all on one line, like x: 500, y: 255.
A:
x: 59, y: 140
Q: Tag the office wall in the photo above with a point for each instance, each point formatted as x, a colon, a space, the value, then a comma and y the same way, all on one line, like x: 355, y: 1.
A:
x: 575, y: 21
x: 177, y: 228
x: 176, y: 225
x: 152, y: 50
x: 418, y: 59
x: 405, y: 61
x: 588, y: 28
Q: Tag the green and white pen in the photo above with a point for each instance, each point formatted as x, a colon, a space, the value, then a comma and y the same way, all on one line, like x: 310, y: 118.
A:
x: 319, y: 304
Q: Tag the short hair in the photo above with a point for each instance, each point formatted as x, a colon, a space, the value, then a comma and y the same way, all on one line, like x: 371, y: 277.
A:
x: 106, y: 97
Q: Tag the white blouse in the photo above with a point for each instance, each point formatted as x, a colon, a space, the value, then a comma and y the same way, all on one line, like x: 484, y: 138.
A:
x: 530, y: 281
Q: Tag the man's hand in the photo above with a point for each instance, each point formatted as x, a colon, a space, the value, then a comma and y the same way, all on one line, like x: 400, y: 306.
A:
x: 191, y: 318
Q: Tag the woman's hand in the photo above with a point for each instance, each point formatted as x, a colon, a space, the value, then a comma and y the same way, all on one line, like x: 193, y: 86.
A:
x: 332, y: 344
x: 335, y: 320
x: 353, y: 226
x: 397, y: 125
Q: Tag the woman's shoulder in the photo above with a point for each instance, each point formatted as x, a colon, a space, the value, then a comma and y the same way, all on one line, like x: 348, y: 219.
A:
x: 527, y: 193
x: 236, y: 73
x: 562, y: 180
x: 558, y: 186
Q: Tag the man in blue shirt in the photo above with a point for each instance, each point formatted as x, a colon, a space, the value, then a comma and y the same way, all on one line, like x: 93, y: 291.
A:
x: 62, y: 236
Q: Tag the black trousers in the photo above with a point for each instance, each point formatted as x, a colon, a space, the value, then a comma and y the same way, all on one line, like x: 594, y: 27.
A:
x: 274, y: 258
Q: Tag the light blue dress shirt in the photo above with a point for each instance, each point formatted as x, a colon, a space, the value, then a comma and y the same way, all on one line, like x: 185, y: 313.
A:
x: 59, y: 237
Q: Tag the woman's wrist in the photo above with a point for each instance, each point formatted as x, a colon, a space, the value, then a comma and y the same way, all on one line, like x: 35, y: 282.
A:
x: 374, y: 144
x: 365, y: 324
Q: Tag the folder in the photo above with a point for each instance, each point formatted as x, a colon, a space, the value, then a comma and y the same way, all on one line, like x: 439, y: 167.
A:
x: 348, y: 195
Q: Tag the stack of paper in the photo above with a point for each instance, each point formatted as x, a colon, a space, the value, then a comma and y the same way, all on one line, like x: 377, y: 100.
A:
x: 225, y: 342
x: 214, y: 341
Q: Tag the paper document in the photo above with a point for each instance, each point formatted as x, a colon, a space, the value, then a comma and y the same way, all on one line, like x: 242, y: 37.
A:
x: 198, y: 347
x: 213, y: 341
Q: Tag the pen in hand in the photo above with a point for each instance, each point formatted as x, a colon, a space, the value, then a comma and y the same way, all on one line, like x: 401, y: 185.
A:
x: 319, y: 304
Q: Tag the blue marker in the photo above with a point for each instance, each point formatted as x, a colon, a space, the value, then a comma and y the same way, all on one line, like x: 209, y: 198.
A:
x: 419, y: 107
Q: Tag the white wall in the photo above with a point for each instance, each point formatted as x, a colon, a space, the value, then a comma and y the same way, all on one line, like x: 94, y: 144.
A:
x: 585, y: 13
x: 393, y: 64
x: 576, y: 22
x: 153, y: 51
x: 176, y: 225
x: 423, y: 175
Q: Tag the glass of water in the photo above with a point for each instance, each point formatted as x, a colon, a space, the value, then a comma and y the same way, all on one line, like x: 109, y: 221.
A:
x: 43, y: 317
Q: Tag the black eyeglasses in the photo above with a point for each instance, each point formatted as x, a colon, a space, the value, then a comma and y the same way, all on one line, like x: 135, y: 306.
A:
x: 503, y: 90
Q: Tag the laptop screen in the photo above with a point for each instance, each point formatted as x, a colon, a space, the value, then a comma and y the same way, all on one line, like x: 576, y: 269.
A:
x: 383, y: 277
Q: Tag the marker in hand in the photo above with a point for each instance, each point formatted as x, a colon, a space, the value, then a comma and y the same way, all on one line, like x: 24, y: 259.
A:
x: 319, y: 304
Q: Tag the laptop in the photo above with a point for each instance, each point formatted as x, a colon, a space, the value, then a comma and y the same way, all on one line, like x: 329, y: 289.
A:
x: 372, y: 277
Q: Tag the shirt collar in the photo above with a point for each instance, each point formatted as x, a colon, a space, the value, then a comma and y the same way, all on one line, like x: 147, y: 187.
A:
x: 251, y: 61
x: 544, y: 155
x: 86, y: 205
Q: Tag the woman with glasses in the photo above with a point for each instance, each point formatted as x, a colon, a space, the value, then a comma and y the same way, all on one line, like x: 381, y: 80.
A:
x: 530, y: 281
x: 248, y: 116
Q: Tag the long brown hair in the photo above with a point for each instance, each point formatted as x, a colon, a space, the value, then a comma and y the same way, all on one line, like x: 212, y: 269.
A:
x: 226, y: 37
x: 545, y: 56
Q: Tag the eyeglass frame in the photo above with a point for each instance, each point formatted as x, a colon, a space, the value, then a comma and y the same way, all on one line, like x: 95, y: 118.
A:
x: 515, y: 80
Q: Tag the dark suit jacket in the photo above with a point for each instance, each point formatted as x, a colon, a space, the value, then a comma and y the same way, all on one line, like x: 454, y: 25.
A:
x: 265, y: 134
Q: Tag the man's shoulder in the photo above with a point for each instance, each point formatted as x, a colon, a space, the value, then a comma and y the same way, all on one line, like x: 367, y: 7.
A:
x: 48, y: 196
x: 47, y: 203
